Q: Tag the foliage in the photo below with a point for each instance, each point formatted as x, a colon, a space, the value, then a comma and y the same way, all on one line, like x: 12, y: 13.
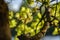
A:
x: 26, y: 19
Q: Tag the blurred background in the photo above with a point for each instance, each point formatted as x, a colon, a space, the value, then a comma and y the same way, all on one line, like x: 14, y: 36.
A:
x: 24, y: 17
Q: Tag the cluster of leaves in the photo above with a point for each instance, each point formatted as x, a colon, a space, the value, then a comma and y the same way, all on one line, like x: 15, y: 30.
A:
x: 26, y: 19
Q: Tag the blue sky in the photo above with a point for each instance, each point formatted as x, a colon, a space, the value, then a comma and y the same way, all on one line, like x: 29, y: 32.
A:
x: 15, y: 4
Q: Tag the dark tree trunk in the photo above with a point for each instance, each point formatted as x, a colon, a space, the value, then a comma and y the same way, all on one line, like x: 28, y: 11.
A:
x: 5, y: 33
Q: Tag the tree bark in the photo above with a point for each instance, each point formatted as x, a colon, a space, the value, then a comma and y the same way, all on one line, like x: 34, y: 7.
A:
x: 5, y: 33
